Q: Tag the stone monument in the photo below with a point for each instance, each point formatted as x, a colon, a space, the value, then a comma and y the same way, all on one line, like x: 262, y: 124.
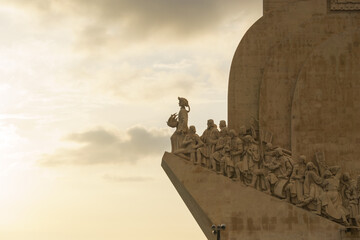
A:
x: 286, y: 166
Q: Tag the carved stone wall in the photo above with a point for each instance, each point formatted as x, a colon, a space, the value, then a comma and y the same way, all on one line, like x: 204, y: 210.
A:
x: 254, y: 53
x: 269, y: 59
x: 326, y: 104
x: 272, y: 5
x: 347, y: 5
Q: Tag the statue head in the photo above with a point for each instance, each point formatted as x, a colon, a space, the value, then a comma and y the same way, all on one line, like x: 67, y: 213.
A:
x: 302, y: 159
x: 249, y: 139
x: 242, y: 130
x: 279, y: 151
x: 222, y: 124
x: 310, y: 166
x: 192, y: 129
x: 183, y: 102
x: 210, y: 123
x: 233, y: 133
x: 269, y: 145
x: 346, y: 176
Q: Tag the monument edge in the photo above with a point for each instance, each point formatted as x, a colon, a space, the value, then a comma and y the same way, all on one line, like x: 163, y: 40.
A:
x: 201, y: 218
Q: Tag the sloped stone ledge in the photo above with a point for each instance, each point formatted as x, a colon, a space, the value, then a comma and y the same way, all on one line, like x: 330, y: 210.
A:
x: 248, y: 213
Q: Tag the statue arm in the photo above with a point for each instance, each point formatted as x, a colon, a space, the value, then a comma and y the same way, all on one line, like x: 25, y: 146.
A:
x: 214, y: 137
x: 239, y: 150
x: 294, y: 174
x: 316, y: 179
x: 199, y: 142
x: 173, y: 121
x: 347, y: 194
x: 288, y: 169
x: 203, y: 137
x: 187, y: 140
x: 256, y: 154
x: 213, y: 141
x: 219, y: 146
x: 273, y: 166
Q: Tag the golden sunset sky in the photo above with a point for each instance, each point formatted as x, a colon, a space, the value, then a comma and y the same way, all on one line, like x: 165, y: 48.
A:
x: 86, y: 88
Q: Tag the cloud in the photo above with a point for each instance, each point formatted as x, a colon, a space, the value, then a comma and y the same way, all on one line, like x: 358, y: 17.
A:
x: 94, y: 46
x: 137, y: 20
x: 150, y: 85
x: 94, y: 137
x: 121, y: 179
x: 104, y: 146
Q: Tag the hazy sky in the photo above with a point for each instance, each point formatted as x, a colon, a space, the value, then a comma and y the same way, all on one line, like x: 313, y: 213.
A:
x: 86, y: 87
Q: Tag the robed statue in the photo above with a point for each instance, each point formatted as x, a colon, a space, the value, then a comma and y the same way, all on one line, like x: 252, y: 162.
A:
x: 180, y: 122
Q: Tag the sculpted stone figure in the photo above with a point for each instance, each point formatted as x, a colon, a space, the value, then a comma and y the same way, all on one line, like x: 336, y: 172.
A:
x: 330, y: 198
x: 228, y: 162
x: 295, y: 188
x: 280, y: 169
x: 254, y: 127
x: 260, y: 174
x: 217, y: 161
x: 222, y: 125
x: 251, y: 157
x: 209, y: 138
x: 352, y: 197
x: 256, y: 167
x: 191, y: 143
x: 358, y: 184
x: 180, y: 122
x: 242, y: 132
x: 345, y: 180
x: 235, y: 151
x: 312, y: 188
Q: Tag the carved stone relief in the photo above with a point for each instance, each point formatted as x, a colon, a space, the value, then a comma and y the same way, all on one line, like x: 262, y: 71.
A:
x: 349, y: 5
x: 250, y: 159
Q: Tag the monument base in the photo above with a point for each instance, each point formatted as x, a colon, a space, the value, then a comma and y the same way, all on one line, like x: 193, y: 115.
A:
x: 248, y: 213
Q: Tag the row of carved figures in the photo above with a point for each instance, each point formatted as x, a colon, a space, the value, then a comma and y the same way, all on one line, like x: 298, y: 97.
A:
x: 243, y: 157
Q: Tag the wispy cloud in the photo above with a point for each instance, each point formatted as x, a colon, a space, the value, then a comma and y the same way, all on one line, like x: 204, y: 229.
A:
x: 121, y: 179
x: 110, y: 21
x: 132, y: 50
x: 103, y: 146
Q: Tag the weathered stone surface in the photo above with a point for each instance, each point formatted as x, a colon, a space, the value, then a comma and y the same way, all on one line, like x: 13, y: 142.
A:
x: 255, y: 49
x: 344, y: 5
x: 268, y: 61
x: 284, y: 65
x: 326, y: 108
x: 247, y: 213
